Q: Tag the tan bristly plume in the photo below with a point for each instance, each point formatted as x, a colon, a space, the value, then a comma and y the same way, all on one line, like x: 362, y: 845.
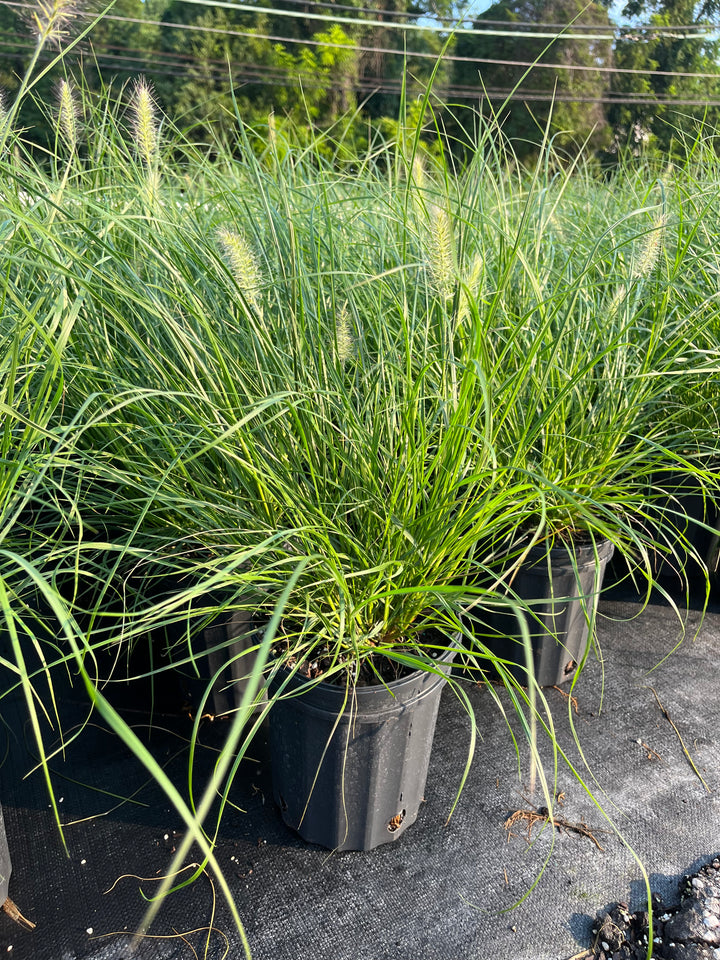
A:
x: 145, y: 123
x: 441, y: 251
x: 344, y: 340
x: 67, y: 115
x: 418, y: 172
x: 473, y: 287
x: 243, y: 264
x: 4, y: 116
x: 617, y: 300
x: 650, y: 250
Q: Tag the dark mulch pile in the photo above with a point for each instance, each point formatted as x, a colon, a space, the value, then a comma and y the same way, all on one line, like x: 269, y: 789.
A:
x: 689, y: 930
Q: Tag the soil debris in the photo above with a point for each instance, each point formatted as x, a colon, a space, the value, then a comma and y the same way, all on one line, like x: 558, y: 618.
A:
x: 688, y: 931
x: 542, y: 815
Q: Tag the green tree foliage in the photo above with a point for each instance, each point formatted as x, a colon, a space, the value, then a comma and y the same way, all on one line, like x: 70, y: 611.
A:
x: 16, y: 43
x: 123, y: 44
x: 280, y: 60
x: 226, y: 56
x: 569, y: 99
x: 676, y: 103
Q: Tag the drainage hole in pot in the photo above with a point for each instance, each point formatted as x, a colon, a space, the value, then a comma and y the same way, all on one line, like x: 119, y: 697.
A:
x: 396, y: 821
x: 569, y: 667
x: 283, y: 805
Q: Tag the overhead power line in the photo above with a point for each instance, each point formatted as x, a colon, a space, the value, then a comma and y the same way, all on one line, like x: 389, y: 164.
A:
x: 354, y: 21
x: 421, y: 54
x: 435, y: 28
x: 520, y: 26
x: 169, y: 63
x: 515, y: 28
x: 510, y: 28
x: 271, y: 75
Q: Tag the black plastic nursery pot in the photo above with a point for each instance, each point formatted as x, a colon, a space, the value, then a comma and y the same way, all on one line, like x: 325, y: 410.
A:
x: 561, y: 589
x: 5, y: 865
x: 349, y: 769
x: 221, y: 645
x: 233, y: 634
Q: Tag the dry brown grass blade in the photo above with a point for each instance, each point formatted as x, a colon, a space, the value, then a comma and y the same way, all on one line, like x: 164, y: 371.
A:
x: 12, y: 911
x: 682, y: 744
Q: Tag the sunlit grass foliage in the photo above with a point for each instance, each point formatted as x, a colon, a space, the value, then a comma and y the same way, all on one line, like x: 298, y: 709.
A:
x: 344, y: 396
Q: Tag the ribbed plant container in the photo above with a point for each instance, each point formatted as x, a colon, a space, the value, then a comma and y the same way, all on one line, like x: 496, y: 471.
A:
x: 237, y: 634
x: 5, y: 865
x: 349, y: 772
x: 233, y: 633
x: 561, y: 589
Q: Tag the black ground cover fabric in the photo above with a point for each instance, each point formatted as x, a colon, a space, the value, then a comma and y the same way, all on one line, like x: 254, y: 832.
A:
x: 443, y: 891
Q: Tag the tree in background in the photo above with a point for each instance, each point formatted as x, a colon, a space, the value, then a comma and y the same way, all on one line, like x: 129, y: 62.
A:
x: 123, y: 44
x: 663, y: 120
x: 294, y: 62
x: 571, y: 100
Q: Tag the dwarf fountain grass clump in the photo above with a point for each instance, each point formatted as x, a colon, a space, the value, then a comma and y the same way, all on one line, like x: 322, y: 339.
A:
x: 359, y: 404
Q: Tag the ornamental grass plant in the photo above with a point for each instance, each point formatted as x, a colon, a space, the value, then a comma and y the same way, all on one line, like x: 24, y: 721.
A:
x: 346, y: 398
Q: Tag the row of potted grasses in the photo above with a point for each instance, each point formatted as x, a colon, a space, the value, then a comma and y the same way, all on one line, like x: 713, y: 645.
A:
x: 346, y: 399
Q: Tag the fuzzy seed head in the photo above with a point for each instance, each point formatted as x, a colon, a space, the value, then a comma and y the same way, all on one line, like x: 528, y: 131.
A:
x: 476, y: 272
x: 472, y: 288
x: 344, y: 340
x: 67, y: 114
x: 650, y: 249
x: 50, y: 20
x: 441, y: 251
x: 150, y: 191
x: 418, y: 171
x: 272, y: 129
x: 617, y: 301
x: 243, y: 264
x: 144, y: 122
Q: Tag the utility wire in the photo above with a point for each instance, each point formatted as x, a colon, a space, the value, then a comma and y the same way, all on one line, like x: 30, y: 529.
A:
x: 269, y: 75
x: 276, y: 38
x: 582, y: 68
x: 384, y: 24
x: 433, y: 28
x: 155, y: 60
x: 513, y: 28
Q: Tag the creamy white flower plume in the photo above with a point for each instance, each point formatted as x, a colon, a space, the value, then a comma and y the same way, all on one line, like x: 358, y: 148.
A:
x: 344, y: 340
x: 441, y: 251
x: 650, y: 250
x: 243, y: 264
x: 67, y: 114
x: 145, y: 121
